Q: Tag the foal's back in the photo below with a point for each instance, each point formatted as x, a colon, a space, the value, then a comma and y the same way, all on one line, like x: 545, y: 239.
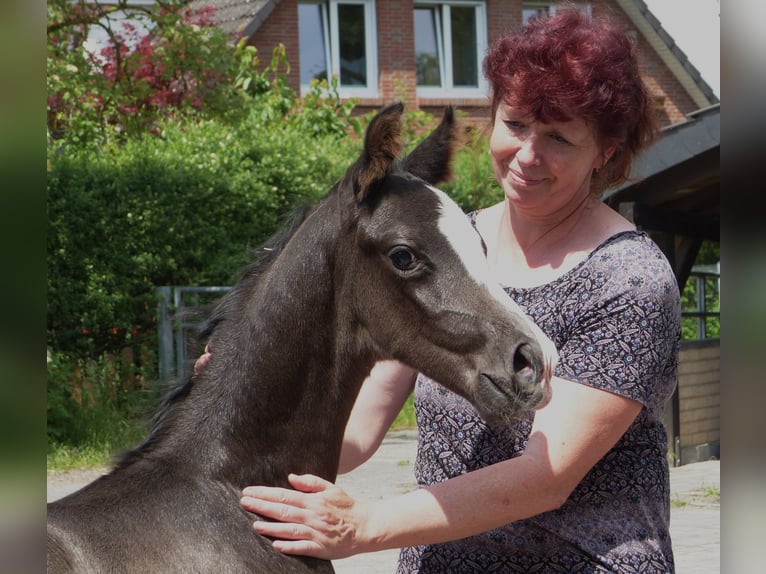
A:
x: 151, y: 518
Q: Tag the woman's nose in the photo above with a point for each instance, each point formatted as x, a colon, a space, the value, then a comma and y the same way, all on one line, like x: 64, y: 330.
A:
x: 528, y: 153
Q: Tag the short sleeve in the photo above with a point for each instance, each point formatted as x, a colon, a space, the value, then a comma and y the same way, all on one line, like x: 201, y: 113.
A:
x: 624, y: 339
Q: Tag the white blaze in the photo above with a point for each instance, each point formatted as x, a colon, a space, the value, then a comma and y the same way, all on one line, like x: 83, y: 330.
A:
x: 466, y: 242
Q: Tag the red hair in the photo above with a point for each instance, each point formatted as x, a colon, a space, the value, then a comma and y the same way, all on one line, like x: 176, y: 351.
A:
x: 572, y: 65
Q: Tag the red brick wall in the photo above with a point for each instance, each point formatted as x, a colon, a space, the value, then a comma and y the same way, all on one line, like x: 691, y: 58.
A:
x: 672, y: 101
x: 281, y: 27
x: 502, y: 16
x: 396, y: 52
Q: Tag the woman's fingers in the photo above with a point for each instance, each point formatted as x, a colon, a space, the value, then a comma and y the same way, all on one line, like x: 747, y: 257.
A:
x: 284, y: 510
x: 316, y: 519
x: 309, y: 482
x: 276, y: 502
x: 202, y: 361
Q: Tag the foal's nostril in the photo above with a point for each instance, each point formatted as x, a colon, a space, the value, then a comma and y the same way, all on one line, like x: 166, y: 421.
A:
x: 523, y: 364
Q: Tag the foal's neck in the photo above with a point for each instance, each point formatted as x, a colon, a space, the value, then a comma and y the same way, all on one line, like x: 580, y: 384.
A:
x: 283, y: 377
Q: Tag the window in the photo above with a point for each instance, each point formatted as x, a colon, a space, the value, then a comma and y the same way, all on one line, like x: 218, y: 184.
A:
x: 536, y: 10
x: 450, y: 41
x: 701, y: 304
x: 338, y: 38
x: 544, y: 9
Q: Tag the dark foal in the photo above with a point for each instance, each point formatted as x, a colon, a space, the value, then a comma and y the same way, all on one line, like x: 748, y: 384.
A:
x: 386, y: 266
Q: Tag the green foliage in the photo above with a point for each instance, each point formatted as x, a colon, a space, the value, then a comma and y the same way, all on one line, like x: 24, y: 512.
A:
x: 695, y: 289
x: 176, y: 210
x: 474, y: 185
x: 406, y: 418
x: 95, y: 401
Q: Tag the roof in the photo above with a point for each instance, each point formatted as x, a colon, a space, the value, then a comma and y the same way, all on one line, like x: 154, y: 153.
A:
x: 238, y: 17
x: 677, y: 181
x: 670, y: 53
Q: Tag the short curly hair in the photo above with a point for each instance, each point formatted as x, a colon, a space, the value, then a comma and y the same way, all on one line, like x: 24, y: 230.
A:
x: 574, y: 65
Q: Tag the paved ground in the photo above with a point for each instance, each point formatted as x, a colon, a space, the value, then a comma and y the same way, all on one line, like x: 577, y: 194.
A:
x: 695, y: 511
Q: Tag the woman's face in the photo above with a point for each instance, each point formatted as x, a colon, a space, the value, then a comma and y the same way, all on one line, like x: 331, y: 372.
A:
x: 542, y: 168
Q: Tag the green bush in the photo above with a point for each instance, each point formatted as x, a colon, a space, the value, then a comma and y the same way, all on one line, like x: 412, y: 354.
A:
x: 176, y: 210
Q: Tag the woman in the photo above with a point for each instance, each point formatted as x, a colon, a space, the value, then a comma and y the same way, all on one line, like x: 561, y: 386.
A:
x: 581, y: 485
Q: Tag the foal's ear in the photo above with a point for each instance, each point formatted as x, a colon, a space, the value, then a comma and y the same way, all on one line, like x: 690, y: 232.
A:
x: 431, y: 159
x: 381, y: 147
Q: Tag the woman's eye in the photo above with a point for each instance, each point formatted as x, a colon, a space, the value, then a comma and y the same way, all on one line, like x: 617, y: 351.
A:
x: 513, y: 124
x: 560, y: 139
x: 403, y: 259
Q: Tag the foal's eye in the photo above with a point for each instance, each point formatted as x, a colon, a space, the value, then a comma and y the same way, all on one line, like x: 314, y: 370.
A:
x: 402, y: 258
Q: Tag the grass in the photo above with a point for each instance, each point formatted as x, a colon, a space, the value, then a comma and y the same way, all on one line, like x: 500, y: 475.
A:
x: 405, y: 420
x: 705, y: 494
x: 65, y: 457
x: 96, y: 451
x: 711, y: 492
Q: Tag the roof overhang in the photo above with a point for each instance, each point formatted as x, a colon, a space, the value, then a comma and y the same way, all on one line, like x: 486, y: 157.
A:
x: 675, y: 185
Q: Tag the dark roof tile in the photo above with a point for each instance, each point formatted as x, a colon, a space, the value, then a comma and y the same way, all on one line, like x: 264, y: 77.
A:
x: 238, y: 17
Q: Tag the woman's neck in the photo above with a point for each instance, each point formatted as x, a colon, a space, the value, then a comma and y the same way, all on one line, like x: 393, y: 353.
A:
x: 526, y: 251
x: 538, y: 238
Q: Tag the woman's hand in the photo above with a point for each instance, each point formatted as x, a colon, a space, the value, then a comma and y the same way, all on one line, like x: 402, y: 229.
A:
x: 202, y: 361
x: 317, y: 519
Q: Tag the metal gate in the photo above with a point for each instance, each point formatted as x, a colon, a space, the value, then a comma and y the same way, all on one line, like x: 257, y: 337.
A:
x: 179, y: 316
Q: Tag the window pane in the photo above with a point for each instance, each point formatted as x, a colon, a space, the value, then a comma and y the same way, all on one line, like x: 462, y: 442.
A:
x: 536, y: 12
x: 313, y: 38
x: 464, y: 45
x: 426, y: 52
x: 353, y: 60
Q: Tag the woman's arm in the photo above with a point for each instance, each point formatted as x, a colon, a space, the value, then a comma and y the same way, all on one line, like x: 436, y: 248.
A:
x: 380, y: 399
x: 568, y: 437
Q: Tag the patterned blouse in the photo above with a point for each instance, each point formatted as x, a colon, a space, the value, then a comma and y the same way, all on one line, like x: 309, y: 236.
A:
x: 615, y: 320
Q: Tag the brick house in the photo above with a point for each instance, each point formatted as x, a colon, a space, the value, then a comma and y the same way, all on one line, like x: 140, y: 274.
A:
x: 429, y: 54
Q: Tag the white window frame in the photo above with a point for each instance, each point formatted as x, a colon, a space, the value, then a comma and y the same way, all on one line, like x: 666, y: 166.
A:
x: 329, y: 15
x: 444, y: 50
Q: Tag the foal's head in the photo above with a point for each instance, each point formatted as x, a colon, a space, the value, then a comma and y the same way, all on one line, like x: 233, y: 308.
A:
x: 417, y: 283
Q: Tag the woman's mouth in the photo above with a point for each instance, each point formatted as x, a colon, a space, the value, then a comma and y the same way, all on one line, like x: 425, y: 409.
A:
x: 523, y: 179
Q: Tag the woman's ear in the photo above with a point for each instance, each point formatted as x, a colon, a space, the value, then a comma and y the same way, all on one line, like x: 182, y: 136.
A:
x: 604, y: 156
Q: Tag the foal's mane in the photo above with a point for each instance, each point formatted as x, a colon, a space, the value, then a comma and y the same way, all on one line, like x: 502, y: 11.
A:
x: 249, y: 276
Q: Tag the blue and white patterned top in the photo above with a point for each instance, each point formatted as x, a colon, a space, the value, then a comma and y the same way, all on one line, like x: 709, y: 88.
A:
x: 615, y: 320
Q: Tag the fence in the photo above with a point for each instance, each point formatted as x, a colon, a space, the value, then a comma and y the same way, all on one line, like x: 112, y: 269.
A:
x: 178, y: 319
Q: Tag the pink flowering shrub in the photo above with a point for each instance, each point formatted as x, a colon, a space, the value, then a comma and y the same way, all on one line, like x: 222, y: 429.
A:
x: 183, y: 65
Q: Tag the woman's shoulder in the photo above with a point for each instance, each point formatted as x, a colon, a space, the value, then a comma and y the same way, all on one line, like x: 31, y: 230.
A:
x: 630, y: 262
x: 627, y: 249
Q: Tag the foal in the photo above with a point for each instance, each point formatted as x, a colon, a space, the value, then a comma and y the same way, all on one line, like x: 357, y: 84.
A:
x: 386, y: 266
